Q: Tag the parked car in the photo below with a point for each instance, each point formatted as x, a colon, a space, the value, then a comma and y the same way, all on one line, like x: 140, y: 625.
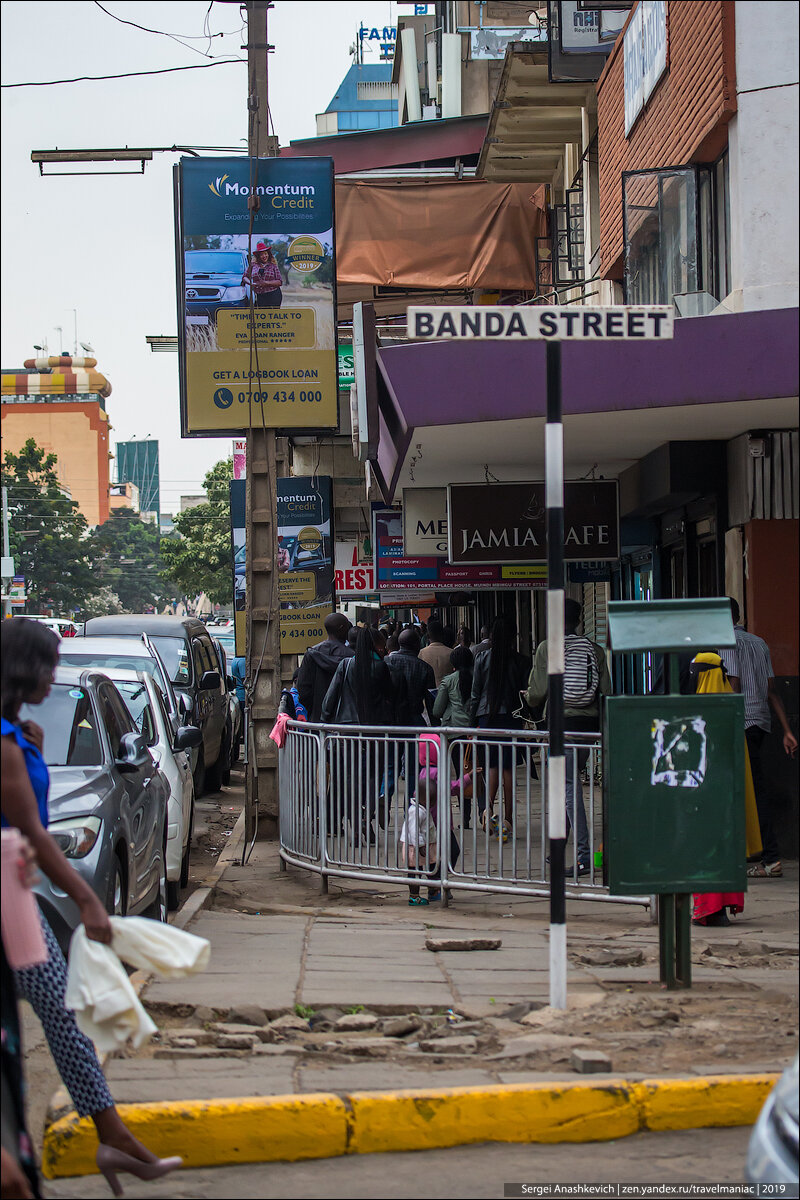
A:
x: 126, y: 654
x: 59, y: 625
x: 190, y: 659
x: 213, y: 280
x: 234, y: 726
x: 144, y: 702
x: 107, y: 800
x: 772, y: 1153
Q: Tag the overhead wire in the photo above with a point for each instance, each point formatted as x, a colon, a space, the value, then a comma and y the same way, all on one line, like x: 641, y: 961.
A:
x: 217, y: 62
x: 180, y: 38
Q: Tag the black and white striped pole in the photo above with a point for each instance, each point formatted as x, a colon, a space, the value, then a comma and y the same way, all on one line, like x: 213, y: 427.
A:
x: 556, y: 772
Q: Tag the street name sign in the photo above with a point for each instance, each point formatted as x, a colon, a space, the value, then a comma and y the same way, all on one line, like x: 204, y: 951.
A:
x: 576, y: 323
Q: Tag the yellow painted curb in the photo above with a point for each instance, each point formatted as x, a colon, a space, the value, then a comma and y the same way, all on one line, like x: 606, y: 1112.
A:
x: 209, y: 1133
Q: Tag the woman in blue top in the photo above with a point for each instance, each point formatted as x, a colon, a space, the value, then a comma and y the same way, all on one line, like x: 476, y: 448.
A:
x: 29, y: 659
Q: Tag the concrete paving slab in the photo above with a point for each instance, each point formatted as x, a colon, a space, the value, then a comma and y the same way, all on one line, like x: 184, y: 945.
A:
x: 199, y: 1079
x: 221, y: 990
x: 386, y: 1076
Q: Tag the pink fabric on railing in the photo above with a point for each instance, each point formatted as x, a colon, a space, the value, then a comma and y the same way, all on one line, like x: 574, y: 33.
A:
x: 278, y: 733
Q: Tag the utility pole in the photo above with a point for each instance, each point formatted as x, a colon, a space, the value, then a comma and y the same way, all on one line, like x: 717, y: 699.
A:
x: 266, y: 459
x: 6, y: 555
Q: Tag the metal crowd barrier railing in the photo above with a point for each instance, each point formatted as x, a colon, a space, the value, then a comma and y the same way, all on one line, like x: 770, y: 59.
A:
x: 346, y: 792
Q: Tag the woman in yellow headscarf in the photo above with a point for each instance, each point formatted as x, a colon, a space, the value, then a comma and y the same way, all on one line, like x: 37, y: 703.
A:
x: 709, y: 907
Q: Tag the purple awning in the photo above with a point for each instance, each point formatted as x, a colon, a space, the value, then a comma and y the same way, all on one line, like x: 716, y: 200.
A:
x: 712, y: 360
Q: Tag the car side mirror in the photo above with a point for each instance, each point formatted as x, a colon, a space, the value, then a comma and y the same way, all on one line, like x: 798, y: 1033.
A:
x: 210, y: 681
x: 187, y: 737
x: 133, y: 753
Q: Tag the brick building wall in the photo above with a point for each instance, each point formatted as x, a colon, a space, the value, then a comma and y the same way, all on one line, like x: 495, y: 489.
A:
x: 685, y: 120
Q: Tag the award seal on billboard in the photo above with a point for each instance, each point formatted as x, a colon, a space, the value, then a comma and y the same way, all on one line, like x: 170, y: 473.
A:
x: 309, y: 539
x: 305, y: 254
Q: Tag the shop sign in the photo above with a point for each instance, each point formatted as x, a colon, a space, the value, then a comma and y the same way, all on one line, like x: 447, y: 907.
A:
x: 239, y: 458
x: 354, y: 578
x: 507, y: 522
x: 305, y: 560
x: 425, y: 521
x: 239, y: 556
x: 274, y: 366
x: 491, y: 42
x: 644, y: 51
x: 16, y: 592
x: 571, y: 324
x: 347, y: 369
x: 589, y: 572
x: 396, y: 571
x: 587, y: 30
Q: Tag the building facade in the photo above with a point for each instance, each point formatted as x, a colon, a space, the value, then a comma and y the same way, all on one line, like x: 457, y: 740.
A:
x: 60, y: 403
x: 137, y: 463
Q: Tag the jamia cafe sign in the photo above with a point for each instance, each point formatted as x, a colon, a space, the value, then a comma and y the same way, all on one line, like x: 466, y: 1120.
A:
x: 506, y: 522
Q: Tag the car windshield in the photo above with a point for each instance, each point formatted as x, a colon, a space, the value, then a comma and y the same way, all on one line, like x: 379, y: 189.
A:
x: 214, y: 262
x: 108, y: 662
x: 70, y: 729
x: 176, y: 658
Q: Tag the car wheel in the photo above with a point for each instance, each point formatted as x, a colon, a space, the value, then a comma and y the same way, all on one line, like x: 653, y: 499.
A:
x: 226, y: 757
x: 213, y: 780
x: 199, y: 775
x: 117, y: 900
x: 185, y: 860
x: 160, y: 906
x: 173, y: 894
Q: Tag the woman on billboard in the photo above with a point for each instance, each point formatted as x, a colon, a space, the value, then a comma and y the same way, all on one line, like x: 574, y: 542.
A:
x: 264, y: 277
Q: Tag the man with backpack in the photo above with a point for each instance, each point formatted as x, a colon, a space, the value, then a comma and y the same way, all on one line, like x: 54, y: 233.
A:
x: 586, y: 679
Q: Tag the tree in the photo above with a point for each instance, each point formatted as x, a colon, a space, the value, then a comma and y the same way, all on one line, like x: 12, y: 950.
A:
x: 198, y: 558
x: 128, y: 561
x: 48, y: 533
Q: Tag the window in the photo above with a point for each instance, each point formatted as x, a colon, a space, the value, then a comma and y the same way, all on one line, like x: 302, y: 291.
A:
x: 676, y: 225
x: 69, y: 725
x: 115, y: 716
x: 137, y: 703
x: 175, y: 654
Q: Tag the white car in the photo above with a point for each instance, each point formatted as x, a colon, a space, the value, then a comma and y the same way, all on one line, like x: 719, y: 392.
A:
x: 145, y: 702
x: 59, y: 625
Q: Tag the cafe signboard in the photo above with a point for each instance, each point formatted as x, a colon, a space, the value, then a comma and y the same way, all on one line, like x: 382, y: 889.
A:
x: 506, y: 522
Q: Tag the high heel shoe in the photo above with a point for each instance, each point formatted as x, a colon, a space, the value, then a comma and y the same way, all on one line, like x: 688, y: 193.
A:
x: 110, y: 1161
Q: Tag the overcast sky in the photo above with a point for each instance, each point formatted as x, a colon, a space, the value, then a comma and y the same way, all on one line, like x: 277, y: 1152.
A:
x: 105, y: 246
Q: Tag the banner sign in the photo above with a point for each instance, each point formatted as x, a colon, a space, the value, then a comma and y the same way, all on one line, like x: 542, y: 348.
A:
x: 239, y: 554
x: 305, y: 560
x: 644, y: 51
x: 425, y: 521
x: 239, y: 458
x: 576, y: 324
x: 506, y: 522
x: 256, y: 311
x: 16, y: 592
x: 354, y: 577
x: 397, y: 572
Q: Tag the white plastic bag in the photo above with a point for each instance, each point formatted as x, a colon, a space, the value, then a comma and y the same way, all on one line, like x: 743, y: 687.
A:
x: 106, y: 1006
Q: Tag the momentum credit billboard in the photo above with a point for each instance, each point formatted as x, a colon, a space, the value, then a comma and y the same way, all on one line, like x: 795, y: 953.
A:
x: 305, y: 559
x: 256, y: 306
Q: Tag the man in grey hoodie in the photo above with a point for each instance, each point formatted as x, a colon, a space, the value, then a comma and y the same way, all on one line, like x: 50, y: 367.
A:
x: 320, y: 662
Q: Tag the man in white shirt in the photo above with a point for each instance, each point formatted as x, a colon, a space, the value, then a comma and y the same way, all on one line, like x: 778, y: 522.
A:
x: 750, y: 672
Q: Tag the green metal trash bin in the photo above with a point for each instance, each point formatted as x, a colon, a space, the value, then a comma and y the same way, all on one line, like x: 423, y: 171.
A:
x: 674, y: 775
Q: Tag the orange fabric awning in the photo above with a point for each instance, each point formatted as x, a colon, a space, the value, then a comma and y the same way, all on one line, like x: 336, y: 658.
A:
x: 469, y: 234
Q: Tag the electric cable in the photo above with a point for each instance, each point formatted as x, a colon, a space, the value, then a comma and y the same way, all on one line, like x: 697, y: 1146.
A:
x: 218, y: 62
x: 180, y: 38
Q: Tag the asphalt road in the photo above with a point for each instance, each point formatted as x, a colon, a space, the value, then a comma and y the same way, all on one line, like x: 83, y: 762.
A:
x: 692, y: 1156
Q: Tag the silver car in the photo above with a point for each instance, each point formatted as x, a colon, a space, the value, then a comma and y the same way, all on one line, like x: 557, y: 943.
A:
x: 170, y: 750
x: 126, y: 654
x: 107, y: 800
x: 772, y: 1153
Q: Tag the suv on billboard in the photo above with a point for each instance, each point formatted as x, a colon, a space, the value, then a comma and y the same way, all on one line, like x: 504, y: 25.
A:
x: 212, y: 280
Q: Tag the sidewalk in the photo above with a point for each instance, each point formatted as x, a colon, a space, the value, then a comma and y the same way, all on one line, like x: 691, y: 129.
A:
x: 339, y: 994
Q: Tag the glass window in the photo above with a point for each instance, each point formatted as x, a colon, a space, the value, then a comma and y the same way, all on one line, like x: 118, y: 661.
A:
x: 137, y: 703
x: 722, y: 225
x: 174, y: 652
x: 107, y: 662
x: 660, y: 223
x: 70, y: 727
x: 213, y: 262
x: 116, y: 718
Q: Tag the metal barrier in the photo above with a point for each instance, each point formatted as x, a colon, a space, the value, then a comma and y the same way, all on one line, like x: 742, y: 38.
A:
x: 357, y: 802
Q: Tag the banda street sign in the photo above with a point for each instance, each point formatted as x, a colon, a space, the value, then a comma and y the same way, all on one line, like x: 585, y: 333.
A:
x: 570, y: 324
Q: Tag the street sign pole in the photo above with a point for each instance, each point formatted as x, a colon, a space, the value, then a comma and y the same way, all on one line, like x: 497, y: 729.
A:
x: 556, y: 770
x: 551, y: 325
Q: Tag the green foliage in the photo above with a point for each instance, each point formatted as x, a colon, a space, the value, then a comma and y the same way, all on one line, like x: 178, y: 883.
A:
x: 128, y: 561
x: 304, y: 1011
x: 198, y: 556
x: 48, y: 534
